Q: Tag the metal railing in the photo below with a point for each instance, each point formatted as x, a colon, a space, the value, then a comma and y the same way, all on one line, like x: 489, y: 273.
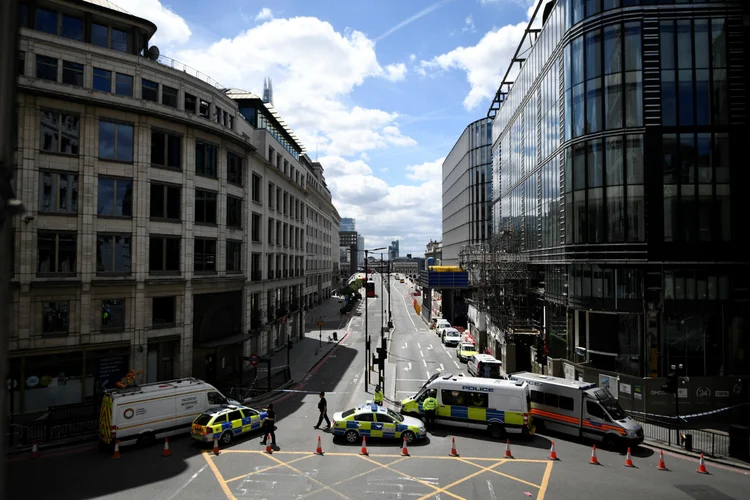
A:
x: 171, y: 63
x: 712, y: 443
x: 59, y: 422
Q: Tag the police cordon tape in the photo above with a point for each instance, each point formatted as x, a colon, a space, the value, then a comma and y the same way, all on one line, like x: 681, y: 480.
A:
x: 685, y: 417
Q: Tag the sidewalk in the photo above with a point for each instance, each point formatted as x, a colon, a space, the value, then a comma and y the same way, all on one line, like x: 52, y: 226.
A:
x: 678, y: 450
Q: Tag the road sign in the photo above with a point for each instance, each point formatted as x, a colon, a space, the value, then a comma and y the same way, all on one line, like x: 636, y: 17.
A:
x: 253, y: 359
x: 320, y: 323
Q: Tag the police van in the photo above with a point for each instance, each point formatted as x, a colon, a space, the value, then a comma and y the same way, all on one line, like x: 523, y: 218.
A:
x: 144, y: 413
x: 499, y: 406
x: 579, y: 409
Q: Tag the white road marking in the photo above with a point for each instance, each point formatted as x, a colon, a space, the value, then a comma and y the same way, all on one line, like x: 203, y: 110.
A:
x: 179, y: 490
x: 446, y: 349
x: 492, y: 490
x: 441, y: 367
x: 457, y: 365
x: 428, y: 374
x: 425, y: 363
x: 449, y: 355
x: 419, y: 345
x: 407, y: 369
x: 421, y: 353
x: 404, y: 346
x: 430, y: 347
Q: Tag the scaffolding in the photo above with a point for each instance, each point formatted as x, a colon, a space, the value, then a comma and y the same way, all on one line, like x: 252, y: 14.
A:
x: 501, y: 277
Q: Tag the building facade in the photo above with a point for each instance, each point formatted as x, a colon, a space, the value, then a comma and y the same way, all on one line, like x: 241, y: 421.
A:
x: 360, y: 255
x: 393, y: 251
x: 613, y: 154
x: 166, y: 225
x: 348, y: 252
x: 434, y: 251
x: 408, y: 266
x: 467, y: 191
x: 348, y: 224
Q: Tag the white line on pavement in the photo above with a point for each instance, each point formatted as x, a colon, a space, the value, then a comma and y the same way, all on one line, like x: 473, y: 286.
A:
x: 409, y: 368
x: 179, y: 490
x: 492, y: 490
x: 404, y: 345
x: 442, y: 367
x: 419, y: 345
x: 456, y: 363
x: 449, y: 355
x: 428, y: 373
x: 425, y: 363
x: 421, y: 353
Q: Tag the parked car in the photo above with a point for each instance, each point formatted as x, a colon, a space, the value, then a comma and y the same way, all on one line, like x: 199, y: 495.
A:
x: 450, y: 337
x: 417, y: 293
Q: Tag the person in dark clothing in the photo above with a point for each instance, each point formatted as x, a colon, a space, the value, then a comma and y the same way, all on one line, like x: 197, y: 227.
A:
x: 269, y: 425
x: 323, y: 408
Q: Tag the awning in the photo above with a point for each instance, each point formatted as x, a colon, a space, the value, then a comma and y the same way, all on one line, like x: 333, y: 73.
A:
x: 232, y: 339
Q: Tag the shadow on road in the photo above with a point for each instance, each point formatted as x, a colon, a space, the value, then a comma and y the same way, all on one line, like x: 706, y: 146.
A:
x: 381, y: 443
x: 636, y: 451
x: 535, y: 441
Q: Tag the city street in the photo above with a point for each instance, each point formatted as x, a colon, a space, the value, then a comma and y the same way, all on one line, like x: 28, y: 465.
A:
x: 244, y: 470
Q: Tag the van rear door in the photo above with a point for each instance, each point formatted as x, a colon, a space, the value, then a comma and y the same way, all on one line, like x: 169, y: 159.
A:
x: 105, y: 420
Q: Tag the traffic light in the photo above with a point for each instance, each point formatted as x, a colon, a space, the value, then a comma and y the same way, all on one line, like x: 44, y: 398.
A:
x: 671, y: 385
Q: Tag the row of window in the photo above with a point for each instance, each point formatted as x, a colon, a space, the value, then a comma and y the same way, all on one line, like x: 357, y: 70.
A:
x: 57, y: 254
x: 72, y: 26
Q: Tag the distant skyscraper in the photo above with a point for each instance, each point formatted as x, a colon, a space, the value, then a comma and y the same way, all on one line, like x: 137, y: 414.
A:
x: 268, y: 91
x: 393, y: 250
x: 348, y: 224
x: 360, y: 252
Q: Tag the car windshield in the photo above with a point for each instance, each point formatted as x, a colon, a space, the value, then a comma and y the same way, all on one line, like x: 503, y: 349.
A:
x: 452, y: 333
x: 203, y: 419
x: 395, y: 416
x: 467, y: 347
x: 614, y: 409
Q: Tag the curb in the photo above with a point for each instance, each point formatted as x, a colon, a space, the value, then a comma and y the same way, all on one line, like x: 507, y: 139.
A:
x: 680, y: 451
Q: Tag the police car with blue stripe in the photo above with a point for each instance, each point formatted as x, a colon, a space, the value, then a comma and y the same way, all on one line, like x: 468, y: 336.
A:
x: 226, y: 422
x: 375, y: 421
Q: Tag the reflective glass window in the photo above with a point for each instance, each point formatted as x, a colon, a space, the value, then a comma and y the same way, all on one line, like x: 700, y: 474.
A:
x: 667, y: 45
x: 670, y: 212
x: 614, y: 161
x: 634, y: 158
x: 687, y: 158
x: 610, y: 4
x: 72, y: 73
x: 668, y: 98
x: 613, y: 49
x: 46, y: 21
x: 684, y: 44
x: 632, y: 46
x: 593, y: 105
x: 702, y: 97
x: 702, y: 47
x: 120, y: 40
x: 577, y: 6
x: 633, y: 99
x: 579, y: 166
x: 593, y: 54
x: 102, y: 80
x: 636, y: 212
x: 577, y: 72
x: 72, y: 27
x: 613, y: 101
x: 124, y: 85
x: 685, y: 97
x: 595, y: 165
x: 580, y: 229
x: 593, y: 7
x: 720, y: 98
x: 597, y: 216
x: 718, y: 43
x: 578, y: 110
x: 670, y: 158
x: 720, y: 157
x: 99, y: 35
x: 615, y: 214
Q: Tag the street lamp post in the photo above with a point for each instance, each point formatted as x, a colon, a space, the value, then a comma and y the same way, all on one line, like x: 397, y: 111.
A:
x: 367, y: 335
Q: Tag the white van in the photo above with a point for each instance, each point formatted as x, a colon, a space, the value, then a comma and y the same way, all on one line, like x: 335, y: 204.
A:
x: 450, y: 336
x: 440, y: 324
x: 499, y: 406
x: 484, y: 365
x: 144, y: 413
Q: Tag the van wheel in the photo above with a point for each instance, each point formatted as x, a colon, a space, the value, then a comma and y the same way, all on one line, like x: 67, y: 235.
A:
x: 146, y: 439
x: 610, y: 442
x: 351, y: 436
x: 226, y: 438
x: 497, y: 431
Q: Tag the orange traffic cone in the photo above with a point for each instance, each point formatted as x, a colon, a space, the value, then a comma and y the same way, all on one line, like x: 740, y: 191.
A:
x: 594, y: 460
x: 404, y: 449
x: 702, y: 466
x: 629, y: 459
x: 454, y: 452
x: 117, y: 450
x: 508, y: 454
x: 552, y: 452
x: 166, y: 451
x: 661, y: 465
x: 364, y: 447
x: 216, y: 447
x: 269, y: 449
x: 34, y: 450
x: 319, y: 449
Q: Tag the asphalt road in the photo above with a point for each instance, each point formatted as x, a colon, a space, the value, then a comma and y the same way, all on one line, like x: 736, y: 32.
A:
x: 244, y: 471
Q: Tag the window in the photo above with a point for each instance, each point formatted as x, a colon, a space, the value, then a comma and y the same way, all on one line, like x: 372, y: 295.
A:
x: 205, y: 206
x: 163, y: 311
x: 190, y: 102
x: 204, y: 256
x: 256, y: 188
x: 551, y: 399
x: 165, y: 149
x: 271, y: 226
x: 115, y: 141
x: 99, y: 35
x: 102, y: 80
x: 124, y: 85
x: 205, y: 159
x: 234, y: 256
x: 46, y: 68
x: 164, y: 254
x: 59, y: 132
x: 165, y: 201
x: 72, y: 73
x: 566, y: 403
x: 149, y: 90
x: 537, y: 397
x: 256, y: 227
x: 113, y: 313
x: 115, y: 198
x: 234, y: 212
x: 203, y: 108
x: 46, y: 21
x: 55, y: 317
x: 169, y: 96
x: 72, y: 27
x: 271, y: 191
x: 457, y: 398
x: 120, y: 40
x: 595, y: 410
x: 58, y: 192
x: 234, y: 169
x: 21, y: 63
x: 56, y: 252
x: 113, y: 253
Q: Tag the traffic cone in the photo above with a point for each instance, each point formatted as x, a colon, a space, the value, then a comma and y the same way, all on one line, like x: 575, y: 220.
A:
x: 166, y: 451
x: 454, y: 452
x: 552, y: 452
x: 319, y: 449
x: 216, y: 447
x: 594, y: 460
x: 702, y: 466
x: 661, y: 465
x: 629, y: 459
x: 404, y: 449
x: 364, y: 447
x: 34, y: 450
x: 269, y: 449
x: 116, y: 454
x: 508, y: 454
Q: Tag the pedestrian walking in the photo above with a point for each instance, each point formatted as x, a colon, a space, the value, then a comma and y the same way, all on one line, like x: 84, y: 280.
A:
x: 269, y: 425
x: 378, y: 397
x: 323, y: 408
x: 429, y: 405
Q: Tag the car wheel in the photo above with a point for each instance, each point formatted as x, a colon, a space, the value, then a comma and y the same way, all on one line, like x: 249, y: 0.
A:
x: 497, y: 431
x: 351, y: 436
x: 409, y: 436
x: 226, y: 438
x: 146, y: 439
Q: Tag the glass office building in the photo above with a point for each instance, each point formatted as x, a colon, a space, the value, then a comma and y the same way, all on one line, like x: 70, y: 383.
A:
x: 618, y: 169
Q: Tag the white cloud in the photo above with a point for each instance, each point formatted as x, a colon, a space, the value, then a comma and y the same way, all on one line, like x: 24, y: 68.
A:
x: 484, y: 63
x: 428, y: 171
x: 172, y: 29
x: 265, y: 14
x: 396, y: 72
x: 469, y: 25
x: 412, y: 57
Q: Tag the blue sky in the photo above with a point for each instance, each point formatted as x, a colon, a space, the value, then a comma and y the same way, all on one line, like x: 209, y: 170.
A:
x: 381, y: 90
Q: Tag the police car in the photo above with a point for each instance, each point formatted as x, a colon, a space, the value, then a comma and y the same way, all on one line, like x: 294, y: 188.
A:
x: 371, y: 420
x: 226, y: 422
